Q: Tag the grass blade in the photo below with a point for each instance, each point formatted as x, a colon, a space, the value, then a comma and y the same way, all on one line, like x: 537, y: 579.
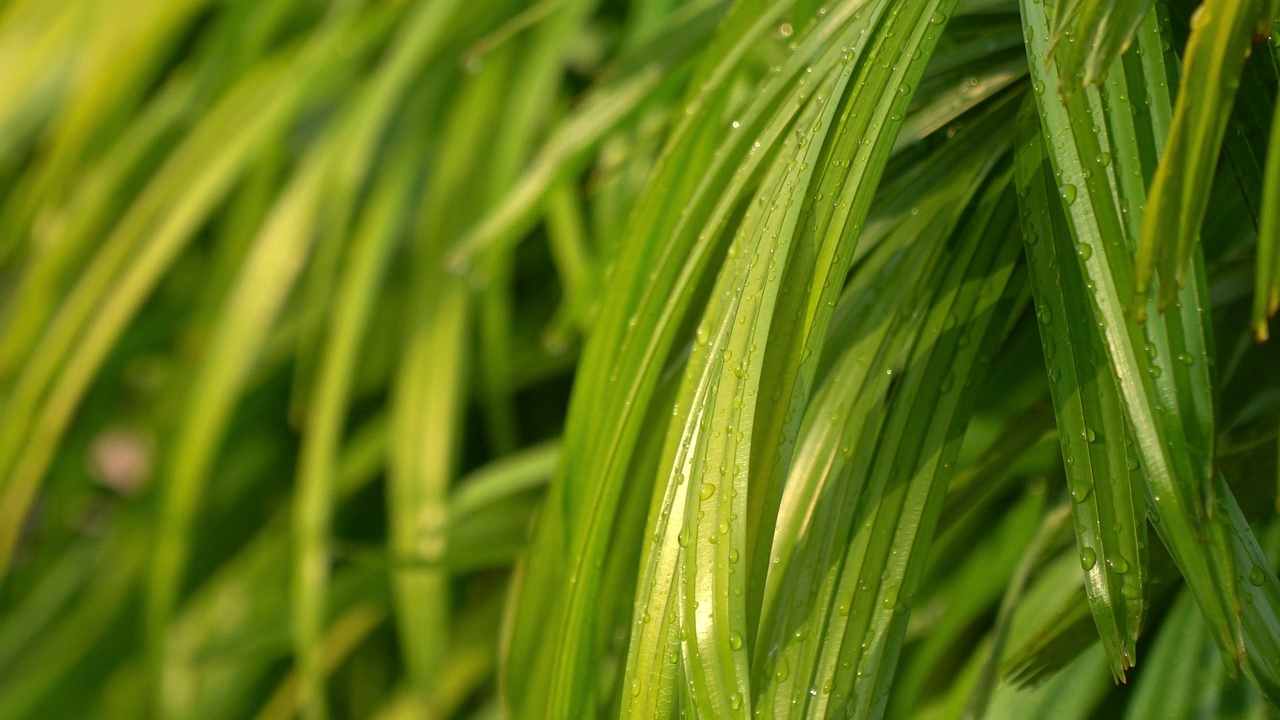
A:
x: 1089, y: 35
x: 882, y: 483
x: 1266, y: 298
x: 1109, y: 507
x: 1169, y: 408
x: 161, y: 222
x: 313, y: 502
x: 1222, y: 34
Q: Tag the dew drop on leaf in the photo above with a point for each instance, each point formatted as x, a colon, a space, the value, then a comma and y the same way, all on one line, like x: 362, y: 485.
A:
x: 1081, y: 491
x: 1088, y: 558
x: 1069, y: 194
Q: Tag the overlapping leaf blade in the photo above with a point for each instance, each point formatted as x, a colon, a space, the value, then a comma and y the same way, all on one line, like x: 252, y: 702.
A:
x: 1266, y: 299
x: 866, y: 486
x: 1089, y: 35
x: 368, y: 257
x: 1222, y: 33
x: 1109, y: 506
x: 140, y: 248
x: 1166, y: 386
x: 713, y: 370
x: 661, y: 263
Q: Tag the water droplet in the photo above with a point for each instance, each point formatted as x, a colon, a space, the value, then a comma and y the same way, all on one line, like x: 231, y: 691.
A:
x: 1088, y: 558
x: 1257, y: 576
x: 938, y: 18
x: 735, y: 641
x: 1080, y: 491
x: 1083, y: 249
x: 1104, y: 159
x: 1069, y: 193
x: 707, y: 490
x: 1118, y: 564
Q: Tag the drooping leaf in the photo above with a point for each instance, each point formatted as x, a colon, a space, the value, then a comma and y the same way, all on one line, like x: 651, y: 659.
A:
x: 1161, y: 367
x: 866, y: 487
x: 1109, y: 507
x: 1089, y: 35
x: 1266, y: 298
x: 1222, y: 33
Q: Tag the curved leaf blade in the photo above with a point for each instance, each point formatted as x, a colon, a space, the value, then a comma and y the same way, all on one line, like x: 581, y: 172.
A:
x: 1222, y: 33
x: 1168, y: 404
x: 1106, y: 487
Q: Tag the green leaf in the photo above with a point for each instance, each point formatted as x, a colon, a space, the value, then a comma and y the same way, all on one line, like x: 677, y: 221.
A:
x: 987, y: 676
x: 609, y: 103
x: 1161, y: 367
x: 1053, y: 624
x: 876, y: 451
x: 661, y: 265
x: 1266, y: 298
x: 1108, y: 505
x: 1089, y: 35
x: 1171, y: 674
x: 141, y: 247
x: 966, y: 578
x: 367, y: 258
x: 1222, y: 34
